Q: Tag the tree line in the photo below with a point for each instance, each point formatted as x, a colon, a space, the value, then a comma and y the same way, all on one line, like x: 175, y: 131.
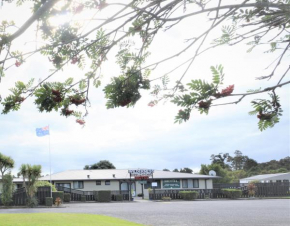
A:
x: 233, y: 168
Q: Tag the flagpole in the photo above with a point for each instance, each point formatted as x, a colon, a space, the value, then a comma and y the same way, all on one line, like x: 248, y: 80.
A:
x: 49, y: 161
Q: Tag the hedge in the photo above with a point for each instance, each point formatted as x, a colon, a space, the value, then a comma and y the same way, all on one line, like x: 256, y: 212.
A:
x: 66, y: 197
x: 188, y: 195
x: 104, y: 196
x: 166, y: 198
x: 48, y: 201
x: 119, y: 197
x: 232, y: 193
x: 56, y: 194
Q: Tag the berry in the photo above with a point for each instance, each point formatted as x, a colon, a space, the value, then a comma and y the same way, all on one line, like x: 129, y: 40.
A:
x: 125, y: 102
x: 204, y: 105
x: 17, y: 63
x: 75, y: 60
x: 80, y: 121
x: 78, y: 9
x: 227, y: 91
x: 77, y: 101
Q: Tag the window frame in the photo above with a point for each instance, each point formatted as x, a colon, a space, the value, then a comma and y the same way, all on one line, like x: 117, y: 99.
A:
x: 79, y: 182
x: 197, y: 183
x: 184, y: 183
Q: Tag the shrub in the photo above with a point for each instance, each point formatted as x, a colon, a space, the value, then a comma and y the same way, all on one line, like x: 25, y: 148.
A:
x: 104, y: 196
x: 119, y: 197
x: 83, y: 198
x: 252, y: 188
x: 140, y: 195
x: 166, y: 198
x: 66, y: 197
x: 57, y: 194
x: 58, y: 201
x: 45, y: 184
x: 188, y: 195
x: 48, y: 201
x: 32, y: 201
x: 232, y: 193
x: 7, y: 190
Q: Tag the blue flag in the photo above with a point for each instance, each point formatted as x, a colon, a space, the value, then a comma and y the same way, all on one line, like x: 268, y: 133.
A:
x: 40, y: 132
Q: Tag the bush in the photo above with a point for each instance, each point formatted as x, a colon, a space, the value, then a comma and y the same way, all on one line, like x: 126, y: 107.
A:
x: 166, y: 198
x: 58, y: 201
x: 32, y: 202
x: 95, y: 195
x: 232, y: 193
x: 188, y: 195
x: 66, y: 197
x: 140, y: 195
x: 104, y: 196
x: 7, y: 190
x: 48, y: 201
x: 45, y: 184
x: 83, y: 198
x: 57, y: 194
x: 119, y: 197
x: 252, y: 188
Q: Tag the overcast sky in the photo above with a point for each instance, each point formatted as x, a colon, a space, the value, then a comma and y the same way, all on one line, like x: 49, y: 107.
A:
x: 143, y: 136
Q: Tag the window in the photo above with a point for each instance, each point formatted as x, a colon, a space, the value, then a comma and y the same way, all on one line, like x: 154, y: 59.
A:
x: 149, y: 185
x: 278, y: 181
x: 184, y: 184
x: 78, y: 184
x: 98, y: 182
x: 285, y: 180
x: 195, y: 183
x: 107, y: 182
x: 65, y: 185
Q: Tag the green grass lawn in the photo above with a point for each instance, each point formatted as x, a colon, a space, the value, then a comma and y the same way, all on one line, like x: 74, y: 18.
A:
x: 63, y: 219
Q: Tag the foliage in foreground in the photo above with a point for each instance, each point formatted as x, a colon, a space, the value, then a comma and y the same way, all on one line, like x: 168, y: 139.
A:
x: 87, y: 45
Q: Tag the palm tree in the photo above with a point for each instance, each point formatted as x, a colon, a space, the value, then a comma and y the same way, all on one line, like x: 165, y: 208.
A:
x: 30, y: 175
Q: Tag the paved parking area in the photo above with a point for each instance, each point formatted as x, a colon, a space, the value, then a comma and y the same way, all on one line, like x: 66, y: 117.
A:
x: 271, y: 212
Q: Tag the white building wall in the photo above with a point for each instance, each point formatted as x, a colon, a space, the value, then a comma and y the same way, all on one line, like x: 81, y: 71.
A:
x: 91, y: 186
x: 281, y: 177
x: 209, y: 184
x: 138, y: 188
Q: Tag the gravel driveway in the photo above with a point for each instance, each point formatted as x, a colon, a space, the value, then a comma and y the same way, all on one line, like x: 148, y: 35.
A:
x: 180, y: 213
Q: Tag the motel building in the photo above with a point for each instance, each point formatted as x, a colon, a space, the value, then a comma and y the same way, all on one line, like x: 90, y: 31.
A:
x: 137, y: 181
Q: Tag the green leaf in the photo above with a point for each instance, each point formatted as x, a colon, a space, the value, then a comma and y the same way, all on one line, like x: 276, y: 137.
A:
x: 69, y: 81
x: 83, y: 85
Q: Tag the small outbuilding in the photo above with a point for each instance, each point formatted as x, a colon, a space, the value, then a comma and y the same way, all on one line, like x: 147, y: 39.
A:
x: 267, y: 178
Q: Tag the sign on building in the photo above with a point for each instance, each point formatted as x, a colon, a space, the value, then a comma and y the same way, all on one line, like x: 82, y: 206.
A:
x: 171, y: 183
x: 141, y: 172
x: 141, y: 177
